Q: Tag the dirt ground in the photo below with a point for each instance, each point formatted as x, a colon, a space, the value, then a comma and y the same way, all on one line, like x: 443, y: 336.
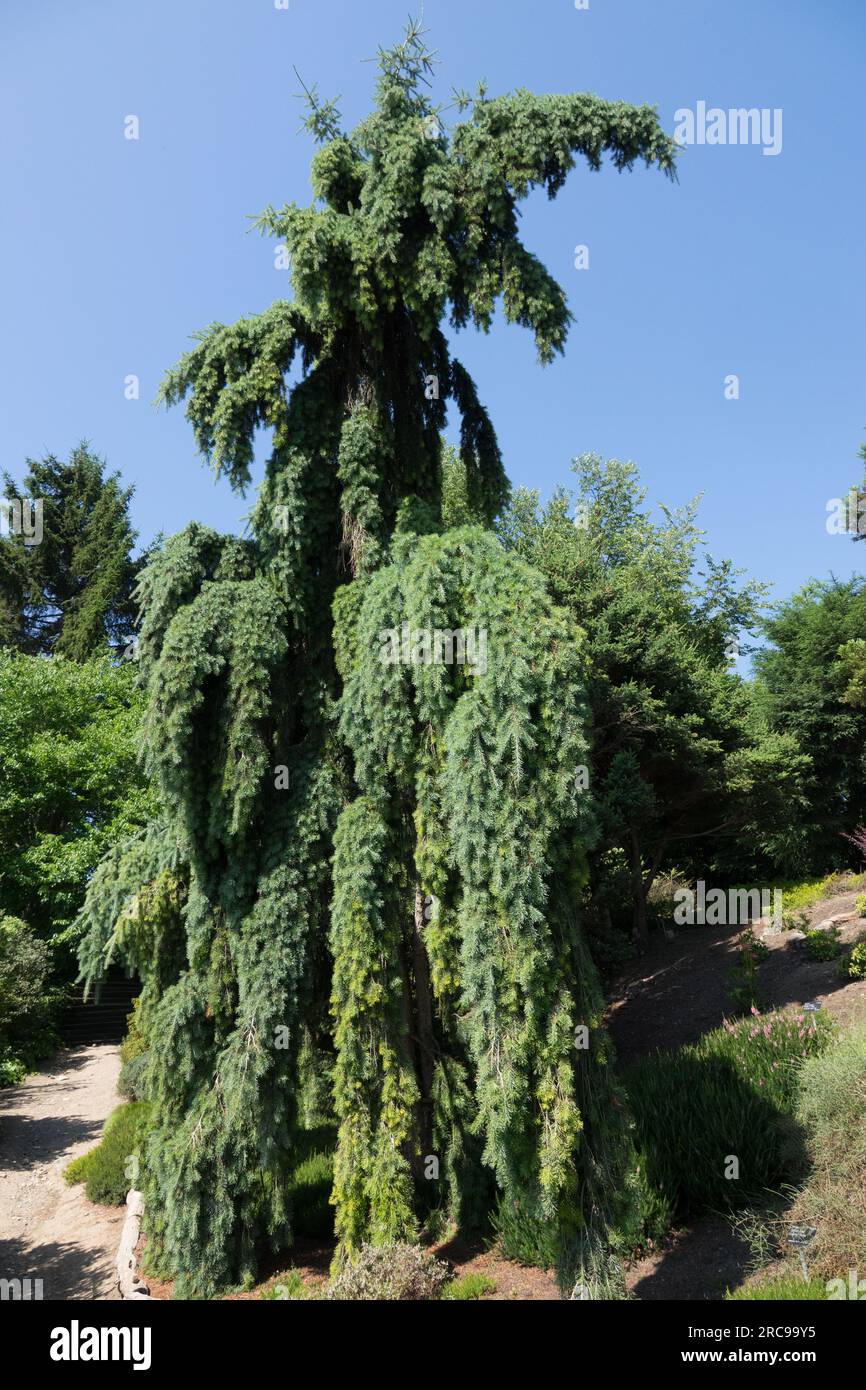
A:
x: 681, y: 988
x: 49, y: 1231
x: 312, y: 1259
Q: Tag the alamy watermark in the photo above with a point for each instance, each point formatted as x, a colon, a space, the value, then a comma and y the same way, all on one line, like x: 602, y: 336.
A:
x: 25, y: 1290
x: 846, y: 516
x: 718, y: 908
x: 736, y: 126
x: 22, y: 516
x: 424, y: 646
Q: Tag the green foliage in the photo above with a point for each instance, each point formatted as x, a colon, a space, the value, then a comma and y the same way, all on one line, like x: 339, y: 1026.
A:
x: 730, y: 1095
x: 71, y: 594
x: 311, y: 1182
x: 290, y: 1286
x: 109, y: 1170
x: 488, y: 799
x: 135, y: 1043
x: 28, y: 1008
x: 822, y: 945
x: 795, y: 921
x: 803, y: 894
x: 522, y: 1236
x: 683, y: 768
x: 393, y: 1272
x: 860, y: 904
x: 744, y: 974
x: 852, y: 658
x: 223, y: 905
x: 855, y: 964
x: 133, y: 1057
x: 805, y: 689
x: 69, y: 782
x: 24, y: 964
x: 468, y: 1287
x: 787, y: 1288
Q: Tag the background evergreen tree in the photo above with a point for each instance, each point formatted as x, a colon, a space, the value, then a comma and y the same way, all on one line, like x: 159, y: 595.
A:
x: 72, y: 593
x: 269, y: 768
x: 811, y: 680
x: 685, y: 769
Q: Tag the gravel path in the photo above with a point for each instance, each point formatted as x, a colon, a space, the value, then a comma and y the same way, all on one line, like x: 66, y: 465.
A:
x: 49, y: 1231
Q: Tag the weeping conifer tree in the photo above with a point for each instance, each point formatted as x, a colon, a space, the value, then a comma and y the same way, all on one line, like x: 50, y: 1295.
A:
x: 376, y: 856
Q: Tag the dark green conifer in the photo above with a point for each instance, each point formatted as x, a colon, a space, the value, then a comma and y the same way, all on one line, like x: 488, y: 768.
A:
x: 405, y: 788
x: 70, y: 593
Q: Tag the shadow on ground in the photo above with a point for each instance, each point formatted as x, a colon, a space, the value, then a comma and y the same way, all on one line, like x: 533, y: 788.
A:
x: 66, y: 1271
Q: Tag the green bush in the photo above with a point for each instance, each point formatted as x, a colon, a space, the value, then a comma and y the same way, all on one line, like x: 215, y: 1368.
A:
x: 823, y: 945
x: 787, y: 1288
x: 287, y: 1287
x: 29, y: 1008
x: 855, y: 964
x: 795, y: 921
x: 731, y: 1095
x: 106, y: 1170
x: 860, y: 904
x: 469, y: 1286
x: 390, y: 1272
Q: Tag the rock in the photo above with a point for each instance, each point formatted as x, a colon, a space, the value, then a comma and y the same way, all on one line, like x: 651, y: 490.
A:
x: 835, y: 921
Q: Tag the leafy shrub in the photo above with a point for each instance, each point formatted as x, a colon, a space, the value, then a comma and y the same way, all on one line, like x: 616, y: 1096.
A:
x: 795, y: 921
x: 469, y: 1286
x: 823, y: 945
x: 23, y: 971
x: 860, y: 904
x: 729, y: 1095
x: 106, y: 1170
x: 289, y: 1286
x: 390, y: 1272
x: 787, y: 1288
x: 28, y: 1008
x: 855, y: 963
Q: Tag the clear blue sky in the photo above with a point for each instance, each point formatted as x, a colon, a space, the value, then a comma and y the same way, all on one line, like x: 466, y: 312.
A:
x: 114, y: 252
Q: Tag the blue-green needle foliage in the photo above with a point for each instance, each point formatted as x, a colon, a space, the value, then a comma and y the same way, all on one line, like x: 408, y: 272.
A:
x: 432, y: 780
x: 474, y: 773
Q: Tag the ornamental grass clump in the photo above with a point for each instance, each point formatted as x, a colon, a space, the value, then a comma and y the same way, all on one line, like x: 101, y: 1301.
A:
x: 715, y: 1119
